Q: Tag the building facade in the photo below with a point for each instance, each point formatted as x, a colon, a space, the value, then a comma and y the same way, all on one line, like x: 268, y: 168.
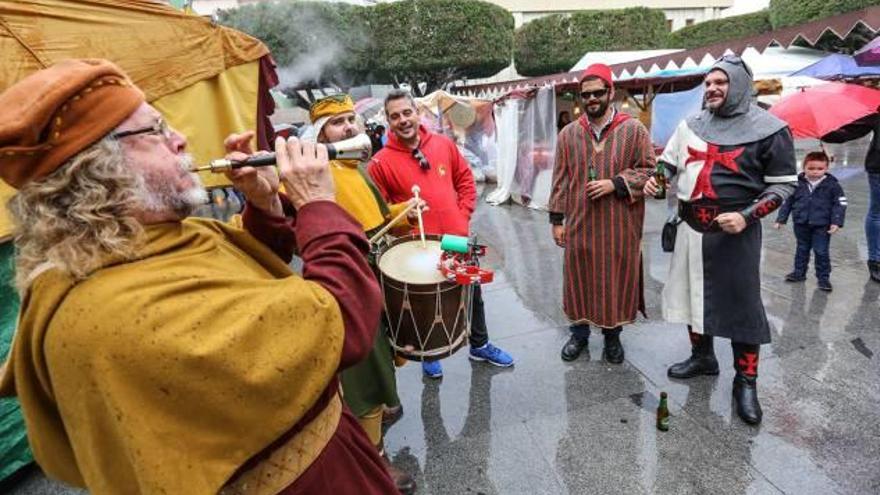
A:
x: 679, y: 13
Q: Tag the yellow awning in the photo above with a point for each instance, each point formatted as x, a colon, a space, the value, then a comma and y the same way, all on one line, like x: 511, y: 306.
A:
x: 162, y: 49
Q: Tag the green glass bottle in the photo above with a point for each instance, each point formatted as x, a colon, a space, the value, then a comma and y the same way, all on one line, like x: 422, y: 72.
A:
x: 591, y: 174
x: 660, y: 177
x: 663, y: 413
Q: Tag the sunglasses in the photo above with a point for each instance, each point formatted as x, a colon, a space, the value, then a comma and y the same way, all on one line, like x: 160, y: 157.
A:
x: 159, y: 127
x: 423, y: 162
x: 598, y: 94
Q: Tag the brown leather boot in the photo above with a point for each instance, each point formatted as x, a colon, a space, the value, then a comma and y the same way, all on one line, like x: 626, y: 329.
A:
x: 391, y: 415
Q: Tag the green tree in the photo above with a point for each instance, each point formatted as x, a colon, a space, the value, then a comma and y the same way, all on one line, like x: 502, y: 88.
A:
x: 714, y: 31
x: 438, y: 41
x: 791, y: 12
x: 556, y: 42
x: 412, y: 41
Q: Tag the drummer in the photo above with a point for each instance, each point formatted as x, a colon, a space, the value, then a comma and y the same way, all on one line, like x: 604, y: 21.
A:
x: 416, y: 156
x: 369, y: 387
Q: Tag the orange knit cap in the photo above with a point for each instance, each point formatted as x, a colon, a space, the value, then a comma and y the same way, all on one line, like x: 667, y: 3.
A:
x: 53, y: 114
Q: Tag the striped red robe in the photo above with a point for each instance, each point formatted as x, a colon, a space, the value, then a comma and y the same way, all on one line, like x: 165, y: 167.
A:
x: 602, y: 270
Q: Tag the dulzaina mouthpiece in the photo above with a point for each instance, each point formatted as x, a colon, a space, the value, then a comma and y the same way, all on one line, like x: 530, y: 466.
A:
x: 356, y: 148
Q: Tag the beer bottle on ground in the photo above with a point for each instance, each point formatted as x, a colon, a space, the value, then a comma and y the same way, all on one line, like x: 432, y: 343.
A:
x: 663, y: 413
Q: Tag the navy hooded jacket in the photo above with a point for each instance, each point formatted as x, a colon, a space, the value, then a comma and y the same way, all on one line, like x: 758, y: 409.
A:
x: 826, y: 205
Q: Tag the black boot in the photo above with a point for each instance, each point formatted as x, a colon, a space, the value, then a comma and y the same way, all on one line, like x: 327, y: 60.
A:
x: 573, y: 348
x: 701, y: 362
x: 745, y: 391
x: 613, y: 350
x: 874, y: 270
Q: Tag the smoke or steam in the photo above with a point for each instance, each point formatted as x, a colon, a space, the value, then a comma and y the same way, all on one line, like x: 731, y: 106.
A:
x: 312, y: 65
x: 311, y: 41
x: 319, y: 47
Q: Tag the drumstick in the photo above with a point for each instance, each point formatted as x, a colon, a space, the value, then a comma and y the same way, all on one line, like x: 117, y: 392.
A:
x: 391, y: 223
x: 415, y: 191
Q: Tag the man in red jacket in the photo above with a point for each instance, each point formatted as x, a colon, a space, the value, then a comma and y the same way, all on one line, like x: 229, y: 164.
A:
x: 416, y: 156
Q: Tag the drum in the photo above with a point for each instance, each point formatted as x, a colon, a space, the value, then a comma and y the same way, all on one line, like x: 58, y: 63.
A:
x: 428, y: 317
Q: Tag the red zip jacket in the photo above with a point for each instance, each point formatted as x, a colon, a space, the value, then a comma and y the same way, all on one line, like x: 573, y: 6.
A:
x: 448, y: 186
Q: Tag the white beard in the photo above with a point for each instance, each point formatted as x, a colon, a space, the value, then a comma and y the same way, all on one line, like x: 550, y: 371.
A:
x: 160, y: 196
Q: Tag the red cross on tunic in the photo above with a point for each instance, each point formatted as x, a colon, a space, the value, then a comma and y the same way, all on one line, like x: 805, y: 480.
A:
x: 710, y: 157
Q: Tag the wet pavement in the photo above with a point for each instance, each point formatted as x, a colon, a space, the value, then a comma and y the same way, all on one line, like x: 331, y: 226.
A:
x: 587, y: 427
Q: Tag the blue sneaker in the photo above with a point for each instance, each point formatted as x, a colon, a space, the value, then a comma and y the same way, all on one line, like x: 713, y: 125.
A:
x: 432, y: 369
x: 492, y: 354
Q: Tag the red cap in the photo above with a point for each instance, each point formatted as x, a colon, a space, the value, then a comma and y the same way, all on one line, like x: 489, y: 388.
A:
x: 601, y: 71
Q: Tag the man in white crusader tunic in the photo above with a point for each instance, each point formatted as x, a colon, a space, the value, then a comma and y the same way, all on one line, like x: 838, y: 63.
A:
x: 733, y: 164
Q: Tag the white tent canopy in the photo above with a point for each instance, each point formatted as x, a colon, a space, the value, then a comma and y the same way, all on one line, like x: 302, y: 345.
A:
x: 526, y: 148
x: 619, y: 57
x: 777, y: 62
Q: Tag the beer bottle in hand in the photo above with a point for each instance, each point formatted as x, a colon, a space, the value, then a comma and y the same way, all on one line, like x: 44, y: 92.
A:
x: 591, y: 174
x: 660, y: 177
x: 663, y: 414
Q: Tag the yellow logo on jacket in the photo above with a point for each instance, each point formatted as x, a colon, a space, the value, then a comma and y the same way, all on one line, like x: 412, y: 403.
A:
x: 441, y: 170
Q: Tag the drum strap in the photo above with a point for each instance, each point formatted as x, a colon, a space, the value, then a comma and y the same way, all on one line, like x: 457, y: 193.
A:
x: 383, y: 206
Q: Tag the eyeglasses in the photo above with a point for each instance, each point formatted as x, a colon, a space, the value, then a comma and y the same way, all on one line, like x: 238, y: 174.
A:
x: 598, y: 94
x: 423, y: 162
x: 159, y: 127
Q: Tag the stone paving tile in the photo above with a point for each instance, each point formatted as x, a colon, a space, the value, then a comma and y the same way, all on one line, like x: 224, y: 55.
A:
x: 615, y: 448
x: 507, y: 316
x: 474, y: 392
x: 815, y: 438
x: 497, y: 461
x: 35, y: 483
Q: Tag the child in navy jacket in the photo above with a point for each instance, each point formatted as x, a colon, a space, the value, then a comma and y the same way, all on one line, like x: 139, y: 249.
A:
x: 818, y: 207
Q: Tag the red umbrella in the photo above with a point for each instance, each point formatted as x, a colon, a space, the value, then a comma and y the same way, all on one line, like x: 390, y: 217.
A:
x: 820, y: 110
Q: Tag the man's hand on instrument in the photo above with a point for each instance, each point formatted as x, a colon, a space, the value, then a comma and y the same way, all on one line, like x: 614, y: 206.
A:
x: 598, y: 188
x: 732, y: 223
x: 650, y: 188
x: 417, y: 204
x: 558, y: 232
x: 259, y: 184
x: 239, y: 142
x: 305, y: 171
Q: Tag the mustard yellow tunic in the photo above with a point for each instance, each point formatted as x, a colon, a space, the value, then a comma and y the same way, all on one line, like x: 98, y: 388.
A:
x: 357, y: 195
x: 109, y: 354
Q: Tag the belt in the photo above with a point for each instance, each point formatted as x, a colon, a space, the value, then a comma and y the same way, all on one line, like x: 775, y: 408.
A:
x: 291, y: 459
x: 700, y: 216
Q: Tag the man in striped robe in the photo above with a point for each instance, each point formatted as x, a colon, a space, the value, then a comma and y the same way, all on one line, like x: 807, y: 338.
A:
x: 603, y: 160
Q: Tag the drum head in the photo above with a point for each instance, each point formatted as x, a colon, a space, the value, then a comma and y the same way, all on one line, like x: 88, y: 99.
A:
x: 411, y: 263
